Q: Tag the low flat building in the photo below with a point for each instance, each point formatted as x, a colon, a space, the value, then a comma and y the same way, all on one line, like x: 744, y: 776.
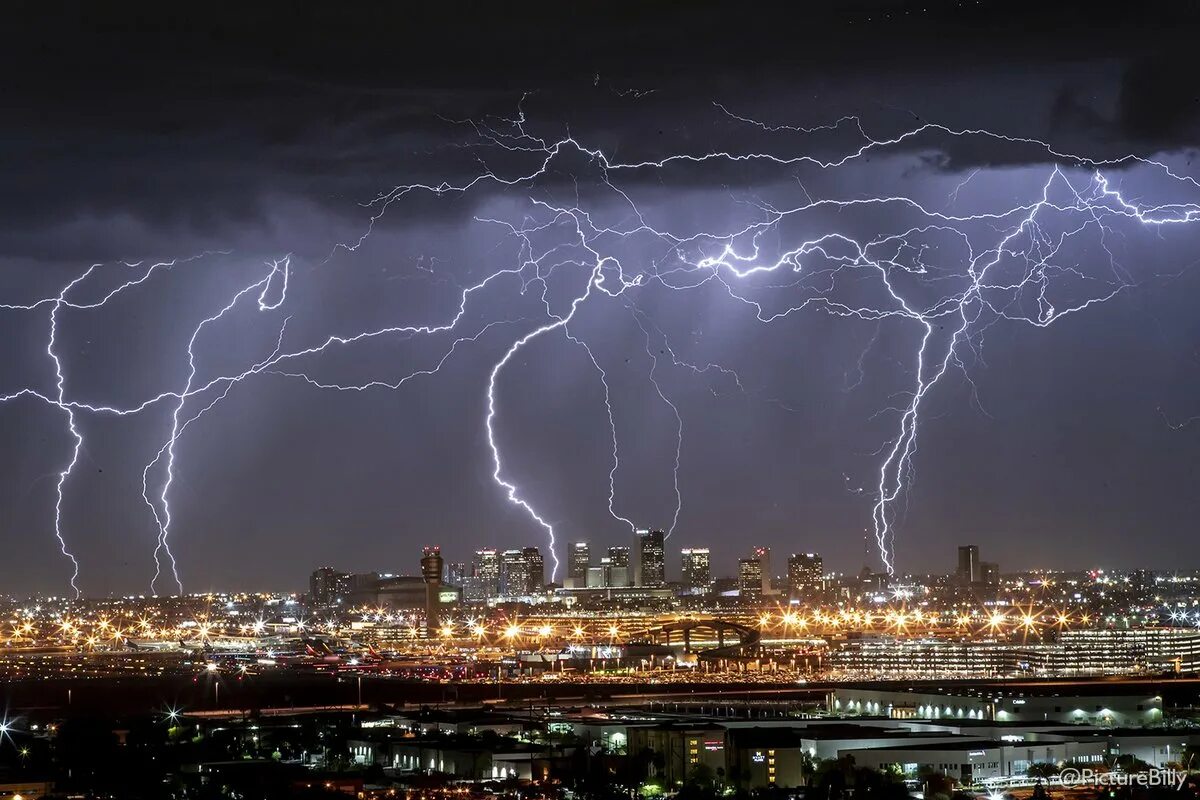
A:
x: 459, y: 721
x: 828, y: 740
x: 1158, y: 747
x: 424, y: 756
x: 1069, y: 653
x: 970, y: 762
x: 1133, y: 709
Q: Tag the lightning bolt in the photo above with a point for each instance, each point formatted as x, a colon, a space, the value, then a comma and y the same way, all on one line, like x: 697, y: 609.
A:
x: 1014, y: 259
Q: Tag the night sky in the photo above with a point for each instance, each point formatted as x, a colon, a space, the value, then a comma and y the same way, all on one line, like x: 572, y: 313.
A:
x: 227, y: 140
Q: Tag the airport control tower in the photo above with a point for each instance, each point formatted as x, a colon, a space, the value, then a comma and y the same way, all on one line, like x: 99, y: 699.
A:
x: 431, y: 571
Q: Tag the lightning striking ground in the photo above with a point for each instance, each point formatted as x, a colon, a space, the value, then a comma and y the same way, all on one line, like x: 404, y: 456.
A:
x: 1013, y: 269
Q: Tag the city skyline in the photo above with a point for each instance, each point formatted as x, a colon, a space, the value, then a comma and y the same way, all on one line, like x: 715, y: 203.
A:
x: 478, y: 401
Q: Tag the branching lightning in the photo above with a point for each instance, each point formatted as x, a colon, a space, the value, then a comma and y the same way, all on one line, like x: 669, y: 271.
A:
x: 1015, y: 264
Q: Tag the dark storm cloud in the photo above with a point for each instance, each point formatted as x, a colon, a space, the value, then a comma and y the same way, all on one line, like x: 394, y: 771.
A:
x: 261, y: 130
x: 196, y: 123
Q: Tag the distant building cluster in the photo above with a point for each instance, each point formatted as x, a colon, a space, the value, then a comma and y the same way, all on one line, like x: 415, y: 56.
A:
x: 635, y: 573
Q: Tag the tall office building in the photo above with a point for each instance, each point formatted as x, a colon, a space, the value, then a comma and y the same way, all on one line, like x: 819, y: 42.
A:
x: 514, y: 574
x: 697, y: 571
x: 486, y: 570
x: 328, y: 586
x: 474, y: 590
x: 456, y: 573
x: 522, y: 572
x: 763, y: 554
x: 750, y: 577
x: 597, y: 577
x: 535, y: 568
x: 806, y: 574
x: 969, y: 569
x: 652, y: 562
x: 616, y: 572
x: 580, y: 560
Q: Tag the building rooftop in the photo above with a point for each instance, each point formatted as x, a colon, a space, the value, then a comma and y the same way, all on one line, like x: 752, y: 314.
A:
x: 1002, y: 689
x: 966, y: 744
x: 777, y: 736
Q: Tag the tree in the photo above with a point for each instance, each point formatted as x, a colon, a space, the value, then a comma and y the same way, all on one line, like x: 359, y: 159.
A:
x: 1130, y: 763
x: 1042, y: 770
x: 701, y: 784
x: 935, y: 785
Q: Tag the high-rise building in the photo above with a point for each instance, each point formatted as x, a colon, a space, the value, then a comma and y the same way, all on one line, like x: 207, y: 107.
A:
x: 697, y: 571
x: 806, y: 574
x: 535, y: 567
x: 597, y: 577
x: 989, y: 572
x: 652, y: 562
x: 474, y: 590
x: 616, y: 571
x: 750, y: 576
x: 580, y: 560
x: 486, y: 570
x: 456, y: 573
x: 328, y: 586
x: 522, y: 572
x: 969, y: 570
x: 763, y: 554
x: 514, y: 573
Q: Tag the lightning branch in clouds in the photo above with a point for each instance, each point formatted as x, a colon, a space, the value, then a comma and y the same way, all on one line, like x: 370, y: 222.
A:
x: 1014, y: 266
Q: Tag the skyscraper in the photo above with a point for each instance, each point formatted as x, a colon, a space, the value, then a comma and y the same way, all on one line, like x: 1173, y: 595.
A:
x: 969, y: 570
x: 750, y: 577
x: 763, y: 554
x: 806, y: 574
x: 456, y: 573
x: 697, y: 573
x: 522, y: 572
x: 535, y: 569
x: 487, y: 570
x: 651, y: 559
x: 580, y: 560
x: 327, y: 586
x: 616, y: 571
x: 514, y: 574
